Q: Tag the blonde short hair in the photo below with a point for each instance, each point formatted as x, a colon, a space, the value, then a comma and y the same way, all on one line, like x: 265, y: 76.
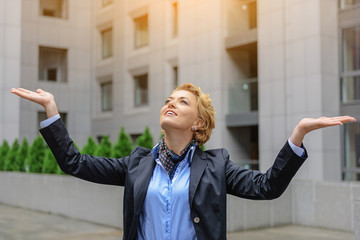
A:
x: 206, y: 112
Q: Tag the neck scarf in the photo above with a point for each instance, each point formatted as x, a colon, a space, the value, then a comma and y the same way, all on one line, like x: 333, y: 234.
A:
x: 168, y: 158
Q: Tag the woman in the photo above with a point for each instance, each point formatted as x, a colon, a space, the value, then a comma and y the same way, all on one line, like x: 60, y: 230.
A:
x: 175, y: 190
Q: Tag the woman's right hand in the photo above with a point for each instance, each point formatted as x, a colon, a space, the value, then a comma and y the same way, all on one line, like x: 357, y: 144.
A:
x: 41, y: 97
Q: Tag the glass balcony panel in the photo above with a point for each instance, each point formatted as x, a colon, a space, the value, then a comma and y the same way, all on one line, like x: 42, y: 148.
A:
x: 241, y: 17
x: 350, y: 89
x: 243, y: 96
x: 351, y: 167
x: 351, y: 49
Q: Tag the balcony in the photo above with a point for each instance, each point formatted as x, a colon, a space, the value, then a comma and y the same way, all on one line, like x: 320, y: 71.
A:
x: 242, y: 103
x: 350, y: 88
x: 241, y: 23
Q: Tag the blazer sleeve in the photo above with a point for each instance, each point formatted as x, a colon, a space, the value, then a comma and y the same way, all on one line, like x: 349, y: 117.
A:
x: 253, y: 184
x: 94, y: 169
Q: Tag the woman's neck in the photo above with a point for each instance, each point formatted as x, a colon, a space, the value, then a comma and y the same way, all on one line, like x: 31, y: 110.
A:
x: 177, y: 142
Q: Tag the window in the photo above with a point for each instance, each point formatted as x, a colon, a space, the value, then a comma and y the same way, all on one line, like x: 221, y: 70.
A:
x: 175, y: 19
x: 52, y: 64
x: 141, y: 90
x: 106, y: 96
x: 351, y: 169
x: 51, y: 74
x: 106, y: 2
x: 347, y: 3
x: 350, y: 75
x: 53, y: 8
x: 141, y: 31
x: 134, y: 137
x: 351, y: 47
x: 252, y: 15
x: 107, y: 43
x: 42, y: 116
x: 99, y: 138
x: 176, y: 76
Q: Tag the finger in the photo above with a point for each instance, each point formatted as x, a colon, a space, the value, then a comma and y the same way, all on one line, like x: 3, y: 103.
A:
x: 344, y: 119
x: 19, y: 92
x: 341, y: 117
x: 25, y: 90
x: 39, y: 90
x: 24, y: 93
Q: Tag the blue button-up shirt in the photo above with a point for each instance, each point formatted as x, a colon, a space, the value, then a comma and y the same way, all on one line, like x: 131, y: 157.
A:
x: 166, y: 211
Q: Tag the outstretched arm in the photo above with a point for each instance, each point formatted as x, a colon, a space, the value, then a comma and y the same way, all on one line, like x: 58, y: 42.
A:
x: 307, y: 125
x: 41, y: 97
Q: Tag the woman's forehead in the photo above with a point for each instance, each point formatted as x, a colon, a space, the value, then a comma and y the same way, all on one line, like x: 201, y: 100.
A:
x: 182, y: 94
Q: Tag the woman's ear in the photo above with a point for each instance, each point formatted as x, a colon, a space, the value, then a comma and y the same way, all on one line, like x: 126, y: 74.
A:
x: 199, y: 123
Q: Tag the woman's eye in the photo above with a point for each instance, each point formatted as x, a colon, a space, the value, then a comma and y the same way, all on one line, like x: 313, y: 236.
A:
x: 184, y: 102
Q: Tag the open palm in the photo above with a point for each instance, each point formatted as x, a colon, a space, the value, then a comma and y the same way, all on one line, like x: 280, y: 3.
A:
x: 310, y: 124
x: 307, y: 125
x: 41, y: 97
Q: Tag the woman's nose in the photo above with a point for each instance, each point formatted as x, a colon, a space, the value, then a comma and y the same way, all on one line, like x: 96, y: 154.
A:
x: 171, y: 104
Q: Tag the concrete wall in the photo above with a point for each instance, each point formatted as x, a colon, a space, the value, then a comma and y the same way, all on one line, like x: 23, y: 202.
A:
x: 73, y: 97
x: 325, y: 204
x: 63, y: 195
x: 357, y: 218
x: 312, y: 203
x: 298, y: 78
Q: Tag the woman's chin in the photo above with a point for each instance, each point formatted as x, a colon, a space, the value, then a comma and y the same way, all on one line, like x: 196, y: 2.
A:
x: 170, y: 126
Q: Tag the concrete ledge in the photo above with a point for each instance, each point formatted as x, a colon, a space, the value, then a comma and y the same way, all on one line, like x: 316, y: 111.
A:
x: 357, y: 218
x: 324, y: 204
x: 245, y: 214
x: 102, y: 204
x: 64, y: 195
x: 334, y: 205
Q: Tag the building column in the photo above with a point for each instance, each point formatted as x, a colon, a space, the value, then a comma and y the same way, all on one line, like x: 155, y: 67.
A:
x: 298, y: 77
x: 10, y: 60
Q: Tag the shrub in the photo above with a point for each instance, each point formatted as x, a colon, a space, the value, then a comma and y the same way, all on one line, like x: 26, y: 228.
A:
x: 145, y: 140
x: 58, y: 170
x: 5, y: 148
x: 90, y: 147
x: 123, y: 146
x: 11, y: 156
x: 104, y: 149
x: 76, y: 146
x: 21, y: 157
x: 49, y: 165
x: 37, y: 155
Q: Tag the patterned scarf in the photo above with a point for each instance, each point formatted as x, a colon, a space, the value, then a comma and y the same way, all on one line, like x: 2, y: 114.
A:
x: 169, y: 159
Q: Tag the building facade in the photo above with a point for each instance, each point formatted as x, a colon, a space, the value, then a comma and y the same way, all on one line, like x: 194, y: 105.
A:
x: 112, y: 63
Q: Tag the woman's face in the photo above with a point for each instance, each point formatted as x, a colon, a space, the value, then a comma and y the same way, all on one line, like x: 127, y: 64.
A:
x: 179, y: 112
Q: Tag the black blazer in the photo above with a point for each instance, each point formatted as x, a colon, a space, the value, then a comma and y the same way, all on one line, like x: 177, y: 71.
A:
x: 212, y: 176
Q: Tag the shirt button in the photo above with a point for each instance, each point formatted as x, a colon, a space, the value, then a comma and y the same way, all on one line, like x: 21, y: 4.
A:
x: 196, y: 219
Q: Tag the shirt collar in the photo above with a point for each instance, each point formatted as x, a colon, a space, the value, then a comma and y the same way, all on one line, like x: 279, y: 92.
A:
x: 189, y: 155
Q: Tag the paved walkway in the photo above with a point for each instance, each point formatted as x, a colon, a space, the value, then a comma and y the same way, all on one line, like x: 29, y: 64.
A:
x: 22, y: 224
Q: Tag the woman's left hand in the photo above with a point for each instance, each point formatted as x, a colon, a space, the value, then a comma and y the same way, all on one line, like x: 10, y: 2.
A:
x: 307, y: 125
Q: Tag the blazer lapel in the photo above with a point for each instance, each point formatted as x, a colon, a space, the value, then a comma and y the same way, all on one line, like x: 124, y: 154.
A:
x: 197, y: 168
x: 144, y: 174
